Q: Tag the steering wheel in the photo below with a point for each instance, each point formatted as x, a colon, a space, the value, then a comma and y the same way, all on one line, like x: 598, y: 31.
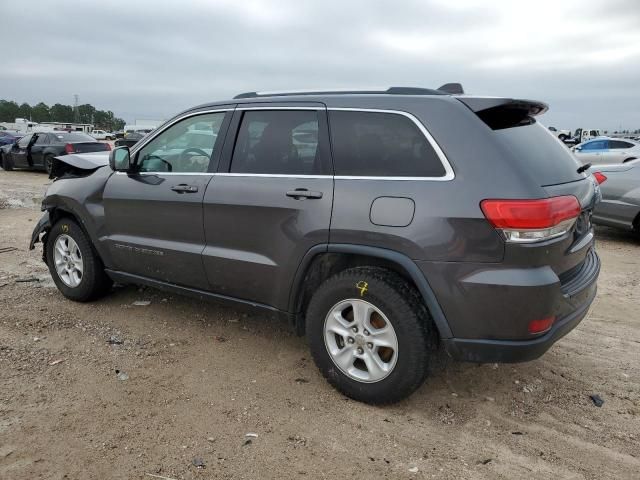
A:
x: 194, y: 152
x: 156, y: 157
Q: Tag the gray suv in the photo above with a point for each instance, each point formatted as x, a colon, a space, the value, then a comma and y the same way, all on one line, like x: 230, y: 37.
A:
x: 383, y: 225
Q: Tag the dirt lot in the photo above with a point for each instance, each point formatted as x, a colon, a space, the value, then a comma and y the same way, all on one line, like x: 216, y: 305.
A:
x: 200, y: 377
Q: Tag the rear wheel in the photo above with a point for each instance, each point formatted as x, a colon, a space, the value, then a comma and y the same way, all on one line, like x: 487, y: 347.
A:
x: 562, y: 137
x: 75, y: 268
x: 48, y: 163
x: 370, y: 335
x: 628, y: 159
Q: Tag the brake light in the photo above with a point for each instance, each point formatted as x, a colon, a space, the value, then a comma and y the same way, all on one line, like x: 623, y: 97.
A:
x: 524, y: 221
x: 542, y: 325
x: 69, y: 148
x: 600, y: 177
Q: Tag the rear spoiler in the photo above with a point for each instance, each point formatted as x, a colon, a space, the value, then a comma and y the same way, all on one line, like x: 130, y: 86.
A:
x: 499, y: 113
x: 479, y: 104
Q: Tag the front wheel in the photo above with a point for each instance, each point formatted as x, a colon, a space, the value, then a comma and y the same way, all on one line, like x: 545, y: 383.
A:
x: 7, y: 163
x: 74, y: 266
x: 370, y: 335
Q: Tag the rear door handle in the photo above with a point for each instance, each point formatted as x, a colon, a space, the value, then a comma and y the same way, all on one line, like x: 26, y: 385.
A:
x: 183, y: 188
x: 300, y: 193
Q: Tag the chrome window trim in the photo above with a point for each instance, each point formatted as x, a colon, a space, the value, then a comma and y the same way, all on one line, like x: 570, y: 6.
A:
x: 165, y: 173
x: 448, y: 170
x: 270, y: 175
x: 140, y: 145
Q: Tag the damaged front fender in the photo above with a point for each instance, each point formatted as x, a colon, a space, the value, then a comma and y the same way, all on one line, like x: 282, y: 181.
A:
x: 43, y: 226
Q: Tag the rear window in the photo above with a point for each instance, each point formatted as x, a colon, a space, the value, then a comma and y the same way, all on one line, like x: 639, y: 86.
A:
x: 539, y: 153
x: 375, y: 144
x: 72, y: 137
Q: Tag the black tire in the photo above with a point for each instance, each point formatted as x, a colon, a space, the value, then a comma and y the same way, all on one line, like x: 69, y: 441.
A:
x: 48, y: 163
x: 628, y: 159
x: 94, y: 282
x: 562, y: 137
x: 402, y: 305
x: 7, y: 163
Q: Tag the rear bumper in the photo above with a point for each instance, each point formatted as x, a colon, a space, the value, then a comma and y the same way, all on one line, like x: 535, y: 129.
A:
x: 513, y: 351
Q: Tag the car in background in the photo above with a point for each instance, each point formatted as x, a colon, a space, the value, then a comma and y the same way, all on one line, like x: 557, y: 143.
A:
x: 607, y: 150
x: 620, y: 188
x: 102, y: 135
x: 129, y: 139
x: 37, y: 150
x: 561, y: 134
x: 8, y: 137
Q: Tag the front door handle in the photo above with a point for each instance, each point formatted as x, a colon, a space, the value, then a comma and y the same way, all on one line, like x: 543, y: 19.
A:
x: 184, y: 188
x: 301, y: 193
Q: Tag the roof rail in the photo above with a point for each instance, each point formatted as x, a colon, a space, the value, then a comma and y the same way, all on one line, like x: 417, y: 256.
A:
x: 388, y: 91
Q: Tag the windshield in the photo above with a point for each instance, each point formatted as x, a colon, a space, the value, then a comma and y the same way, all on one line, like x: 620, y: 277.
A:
x: 73, y: 137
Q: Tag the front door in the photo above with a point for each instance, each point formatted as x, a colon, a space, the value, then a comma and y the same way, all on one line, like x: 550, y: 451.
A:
x: 153, y: 216
x: 269, y: 203
x: 20, y: 151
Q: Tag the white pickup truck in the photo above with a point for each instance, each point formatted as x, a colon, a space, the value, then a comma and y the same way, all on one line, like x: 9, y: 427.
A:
x: 102, y: 135
x: 561, y: 134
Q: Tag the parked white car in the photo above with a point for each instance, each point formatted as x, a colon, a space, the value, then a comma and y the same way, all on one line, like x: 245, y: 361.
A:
x: 605, y: 150
x: 102, y: 135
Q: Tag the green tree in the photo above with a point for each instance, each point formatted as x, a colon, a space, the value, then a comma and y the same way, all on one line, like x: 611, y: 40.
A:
x: 8, y: 111
x: 86, y: 113
x: 24, y: 111
x: 61, y: 113
x: 40, y: 113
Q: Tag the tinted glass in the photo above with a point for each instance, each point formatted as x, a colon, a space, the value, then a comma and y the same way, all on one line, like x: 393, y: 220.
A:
x: 595, y: 145
x: 593, y: 133
x: 41, y: 140
x: 381, y: 145
x: 620, y: 144
x: 186, y: 146
x: 538, y: 153
x: 24, y: 141
x: 278, y: 142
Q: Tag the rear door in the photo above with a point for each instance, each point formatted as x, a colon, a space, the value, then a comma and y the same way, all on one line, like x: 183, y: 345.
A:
x: 618, y: 151
x: 269, y: 203
x: 153, y: 216
x: 37, y: 149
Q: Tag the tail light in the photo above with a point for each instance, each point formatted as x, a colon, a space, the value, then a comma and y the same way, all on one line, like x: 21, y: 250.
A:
x: 69, y: 148
x: 526, y: 221
x: 600, y: 177
x: 108, y: 148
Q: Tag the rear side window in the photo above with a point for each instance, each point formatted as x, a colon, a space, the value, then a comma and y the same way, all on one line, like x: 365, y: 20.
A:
x: 284, y: 142
x: 620, y: 144
x: 375, y: 144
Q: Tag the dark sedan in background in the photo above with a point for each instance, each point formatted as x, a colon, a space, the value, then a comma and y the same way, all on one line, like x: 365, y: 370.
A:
x: 130, y: 139
x: 9, y: 138
x: 37, y: 150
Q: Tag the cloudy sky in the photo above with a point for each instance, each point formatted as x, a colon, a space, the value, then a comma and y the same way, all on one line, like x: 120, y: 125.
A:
x: 150, y: 59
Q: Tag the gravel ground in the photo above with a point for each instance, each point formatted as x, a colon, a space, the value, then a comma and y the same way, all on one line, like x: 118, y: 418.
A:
x: 171, y: 389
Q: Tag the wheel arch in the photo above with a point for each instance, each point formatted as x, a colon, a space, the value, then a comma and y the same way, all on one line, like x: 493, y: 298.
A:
x: 323, y: 261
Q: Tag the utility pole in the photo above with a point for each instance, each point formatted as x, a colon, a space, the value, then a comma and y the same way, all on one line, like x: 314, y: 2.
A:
x: 76, y: 113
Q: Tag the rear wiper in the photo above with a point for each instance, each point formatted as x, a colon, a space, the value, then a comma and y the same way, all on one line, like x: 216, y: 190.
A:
x: 584, y: 167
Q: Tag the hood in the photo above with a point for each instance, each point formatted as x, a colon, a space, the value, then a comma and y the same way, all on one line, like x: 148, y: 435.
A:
x: 78, y: 164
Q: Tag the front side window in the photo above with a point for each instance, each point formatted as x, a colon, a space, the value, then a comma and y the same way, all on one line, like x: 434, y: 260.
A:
x: 276, y: 142
x: 594, y: 133
x: 381, y: 145
x: 41, y: 140
x: 24, y: 141
x: 595, y: 145
x: 186, y: 146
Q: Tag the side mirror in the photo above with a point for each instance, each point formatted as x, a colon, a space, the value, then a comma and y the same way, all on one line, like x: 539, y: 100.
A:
x: 120, y: 159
